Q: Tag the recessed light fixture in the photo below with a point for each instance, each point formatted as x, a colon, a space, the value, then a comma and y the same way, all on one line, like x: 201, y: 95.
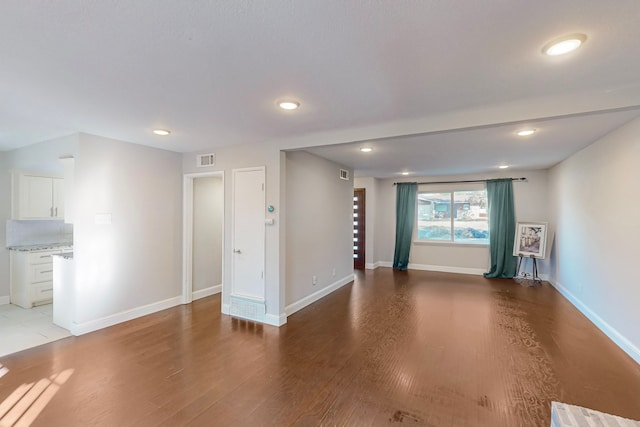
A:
x: 366, y: 149
x: 503, y: 166
x: 564, y: 44
x: 288, y: 105
x: 404, y: 173
x: 161, y: 132
x: 525, y: 132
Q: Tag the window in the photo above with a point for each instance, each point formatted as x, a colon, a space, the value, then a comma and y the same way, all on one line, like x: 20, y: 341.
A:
x: 453, y: 216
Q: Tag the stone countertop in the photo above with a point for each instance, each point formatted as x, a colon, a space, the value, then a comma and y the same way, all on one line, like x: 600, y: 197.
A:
x: 40, y: 247
x: 65, y: 255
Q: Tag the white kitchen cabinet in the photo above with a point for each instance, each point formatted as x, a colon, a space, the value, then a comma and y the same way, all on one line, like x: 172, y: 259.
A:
x: 37, y: 196
x: 32, y: 277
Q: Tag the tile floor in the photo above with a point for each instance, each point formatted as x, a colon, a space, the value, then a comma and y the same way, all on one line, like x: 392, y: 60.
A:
x: 25, y: 328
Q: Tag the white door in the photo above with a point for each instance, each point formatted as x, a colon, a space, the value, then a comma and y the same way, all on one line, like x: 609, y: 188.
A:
x: 248, y: 237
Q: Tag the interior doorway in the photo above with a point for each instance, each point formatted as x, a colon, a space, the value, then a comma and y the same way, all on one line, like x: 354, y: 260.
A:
x: 359, y: 197
x: 203, y: 235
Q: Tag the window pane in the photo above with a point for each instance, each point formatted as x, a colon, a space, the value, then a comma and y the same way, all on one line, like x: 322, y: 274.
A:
x: 470, y: 220
x: 434, y: 216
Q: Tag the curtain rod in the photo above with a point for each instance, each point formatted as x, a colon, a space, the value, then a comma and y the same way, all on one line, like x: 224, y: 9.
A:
x: 463, y: 182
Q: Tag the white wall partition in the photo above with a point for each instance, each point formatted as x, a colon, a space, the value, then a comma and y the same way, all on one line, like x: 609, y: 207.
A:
x: 127, y: 231
x: 319, y: 229
x: 244, y: 156
x: 594, y: 205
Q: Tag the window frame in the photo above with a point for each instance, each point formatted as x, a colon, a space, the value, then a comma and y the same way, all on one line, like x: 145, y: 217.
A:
x: 452, y: 189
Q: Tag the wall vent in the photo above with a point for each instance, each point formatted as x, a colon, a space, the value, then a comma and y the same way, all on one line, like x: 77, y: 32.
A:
x: 205, y: 160
x: 247, y: 309
x: 344, y: 174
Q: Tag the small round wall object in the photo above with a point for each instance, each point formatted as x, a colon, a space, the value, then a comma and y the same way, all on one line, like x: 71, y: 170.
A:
x: 270, y: 208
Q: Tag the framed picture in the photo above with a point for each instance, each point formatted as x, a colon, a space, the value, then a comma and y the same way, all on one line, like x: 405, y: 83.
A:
x: 530, y: 240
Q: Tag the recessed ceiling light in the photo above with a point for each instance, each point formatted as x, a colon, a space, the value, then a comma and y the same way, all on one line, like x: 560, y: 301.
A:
x: 526, y: 132
x: 366, y: 149
x: 503, y: 166
x: 288, y: 105
x: 564, y: 44
x: 161, y: 132
x: 404, y: 173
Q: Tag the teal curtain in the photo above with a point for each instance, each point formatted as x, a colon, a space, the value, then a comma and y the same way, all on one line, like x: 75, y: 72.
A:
x: 405, y: 215
x: 502, y: 228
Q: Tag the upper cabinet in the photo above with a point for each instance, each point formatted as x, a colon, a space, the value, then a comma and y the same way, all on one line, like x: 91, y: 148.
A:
x: 37, y: 196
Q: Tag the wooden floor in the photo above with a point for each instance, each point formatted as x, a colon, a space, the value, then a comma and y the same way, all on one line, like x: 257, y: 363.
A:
x: 417, y: 348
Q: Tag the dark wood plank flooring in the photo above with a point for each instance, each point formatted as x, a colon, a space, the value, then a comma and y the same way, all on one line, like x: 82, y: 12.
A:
x: 417, y: 348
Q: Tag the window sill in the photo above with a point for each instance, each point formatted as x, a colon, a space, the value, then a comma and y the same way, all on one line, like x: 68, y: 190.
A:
x: 449, y: 243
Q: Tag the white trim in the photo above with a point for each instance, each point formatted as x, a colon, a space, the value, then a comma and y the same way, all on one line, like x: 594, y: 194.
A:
x: 225, y: 309
x: 5, y: 300
x: 440, y: 268
x: 302, y: 303
x: 187, y: 231
x: 211, y: 290
x: 447, y: 269
x: 123, y: 316
x: 372, y: 265
x: 276, y: 320
x: 615, y: 336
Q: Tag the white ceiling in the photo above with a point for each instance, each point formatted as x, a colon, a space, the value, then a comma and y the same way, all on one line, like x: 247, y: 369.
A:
x: 211, y: 72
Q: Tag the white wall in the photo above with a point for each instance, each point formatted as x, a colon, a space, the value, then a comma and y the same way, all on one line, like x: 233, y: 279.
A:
x: 227, y: 159
x: 136, y: 260
x: 594, y: 202
x: 42, y: 157
x: 530, y: 205
x: 371, y: 202
x: 319, y: 228
x: 208, y: 204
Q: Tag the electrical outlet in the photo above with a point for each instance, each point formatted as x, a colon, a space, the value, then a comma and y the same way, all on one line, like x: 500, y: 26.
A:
x: 314, y: 280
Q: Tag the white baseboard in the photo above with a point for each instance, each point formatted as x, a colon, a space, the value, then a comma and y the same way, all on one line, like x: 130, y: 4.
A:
x: 225, y: 309
x: 276, y: 320
x: 613, y: 334
x: 123, y: 316
x: 371, y: 266
x: 5, y: 300
x: 440, y: 268
x: 212, y: 290
x: 302, y: 303
x: 447, y: 269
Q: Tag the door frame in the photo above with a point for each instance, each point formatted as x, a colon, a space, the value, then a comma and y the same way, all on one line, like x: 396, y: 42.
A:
x: 362, y: 224
x: 187, y: 231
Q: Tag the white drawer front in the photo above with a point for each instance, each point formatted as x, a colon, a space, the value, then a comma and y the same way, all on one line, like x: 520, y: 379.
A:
x: 41, y: 273
x: 39, y: 258
x: 41, y: 293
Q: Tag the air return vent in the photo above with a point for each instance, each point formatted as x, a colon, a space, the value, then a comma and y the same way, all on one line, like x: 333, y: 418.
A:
x: 247, y: 309
x: 344, y: 174
x: 205, y: 160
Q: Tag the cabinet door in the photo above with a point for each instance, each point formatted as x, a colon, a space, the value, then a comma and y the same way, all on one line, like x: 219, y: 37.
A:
x: 36, y: 195
x: 58, y: 198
